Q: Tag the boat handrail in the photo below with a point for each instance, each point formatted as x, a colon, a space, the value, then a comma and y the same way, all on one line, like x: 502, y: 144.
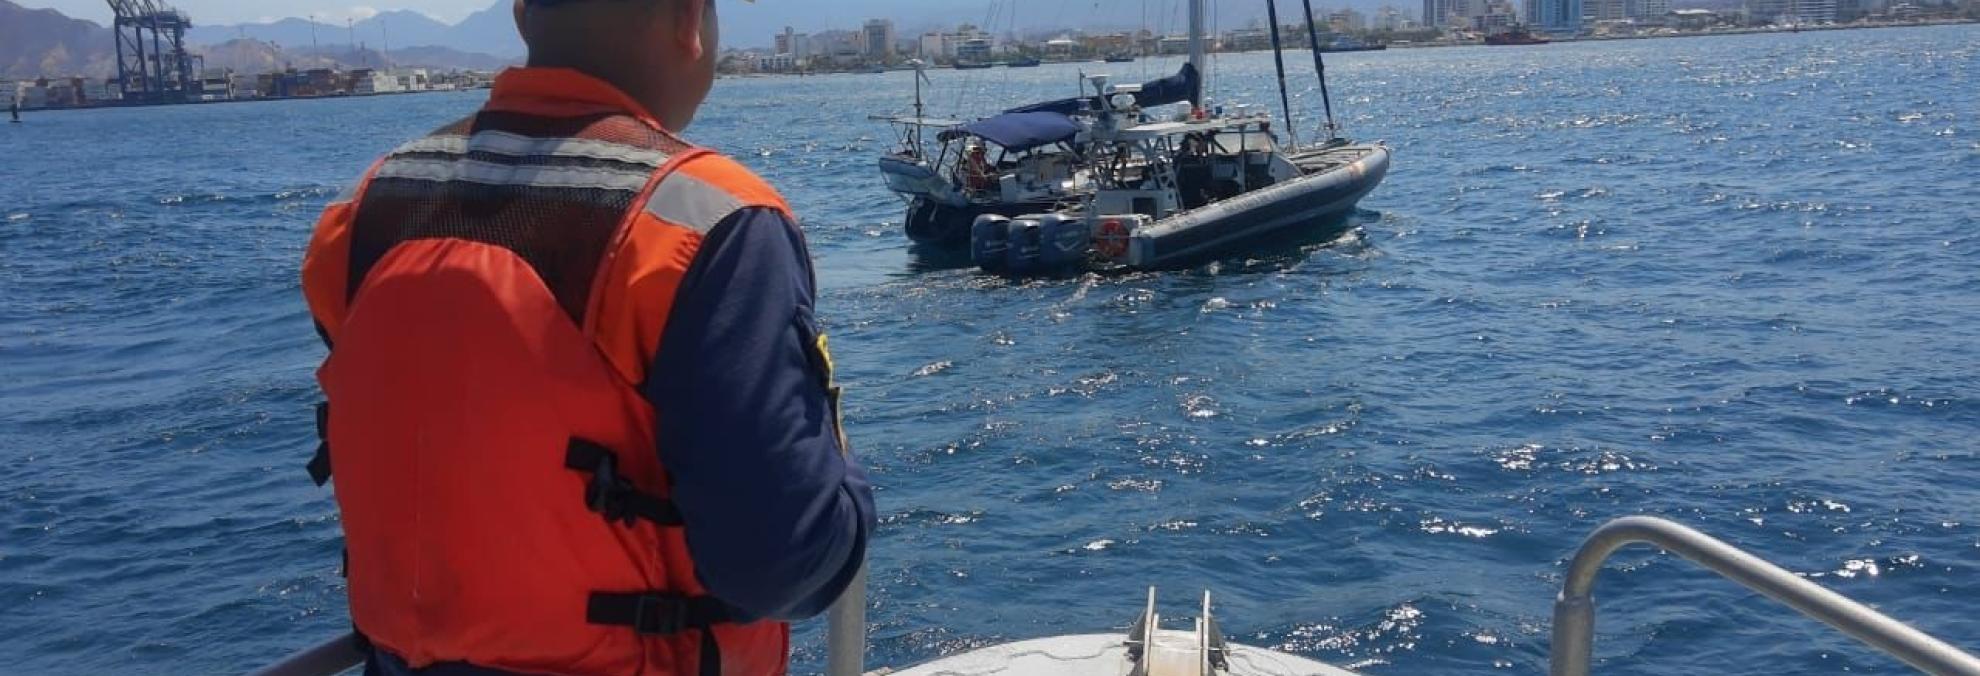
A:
x: 329, y: 658
x: 1574, y: 609
x: 845, y: 631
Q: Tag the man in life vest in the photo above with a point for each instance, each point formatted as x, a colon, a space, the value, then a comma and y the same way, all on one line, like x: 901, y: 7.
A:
x: 580, y: 410
x: 978, y: 176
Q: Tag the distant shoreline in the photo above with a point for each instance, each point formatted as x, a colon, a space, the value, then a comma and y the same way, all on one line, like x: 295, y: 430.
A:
x: 1769, y: 30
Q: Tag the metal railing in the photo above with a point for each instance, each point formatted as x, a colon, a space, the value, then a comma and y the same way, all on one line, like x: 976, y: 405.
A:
x: 330, y: 658
x: 845, y: 633
x: 1574, y: 611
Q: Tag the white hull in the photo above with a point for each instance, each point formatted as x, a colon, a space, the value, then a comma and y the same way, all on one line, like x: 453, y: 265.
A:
x: 1106, y: 655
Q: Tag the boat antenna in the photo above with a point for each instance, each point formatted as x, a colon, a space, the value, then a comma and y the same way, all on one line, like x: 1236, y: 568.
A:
x: 1279, y: 59
x: 1320, y: 66
x: 920, y: 110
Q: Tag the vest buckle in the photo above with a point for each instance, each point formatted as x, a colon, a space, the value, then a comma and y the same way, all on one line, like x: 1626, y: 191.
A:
x: 613, y: 496
x: 658, y: 614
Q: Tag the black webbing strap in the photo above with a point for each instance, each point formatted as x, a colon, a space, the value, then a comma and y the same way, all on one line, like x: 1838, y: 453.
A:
x: 319, y: 465
x: 656, y: 614
x: 610, y: 494
x: 711, y: 655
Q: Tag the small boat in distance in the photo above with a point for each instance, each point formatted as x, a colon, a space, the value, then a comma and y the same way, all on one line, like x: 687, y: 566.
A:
x: 1344, y: 43
x: 973, y: 65
x: 1022, y: 62
x: 1120, y: 58
x: 1518, y: 35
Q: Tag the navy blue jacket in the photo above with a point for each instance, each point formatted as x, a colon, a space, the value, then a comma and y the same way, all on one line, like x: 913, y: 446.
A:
x: 777, y: 513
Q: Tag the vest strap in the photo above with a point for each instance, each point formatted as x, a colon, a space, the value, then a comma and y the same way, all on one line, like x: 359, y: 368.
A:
x: 611, y: 495
x: 319, y: 465
x: 656, y: 613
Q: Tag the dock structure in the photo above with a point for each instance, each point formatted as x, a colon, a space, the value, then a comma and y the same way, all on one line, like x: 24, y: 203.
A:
x: 153, y: 65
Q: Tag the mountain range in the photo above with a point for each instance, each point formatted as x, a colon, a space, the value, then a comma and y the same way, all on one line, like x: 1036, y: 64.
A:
x: 44, y: 42
x: 490, y: 31
x: 37, y: 42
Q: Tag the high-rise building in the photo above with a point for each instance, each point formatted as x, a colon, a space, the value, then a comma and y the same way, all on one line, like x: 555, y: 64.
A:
x: 787, y: 41
x: 1649, y: 10
x: 1791, y: 11
x: 1347, y: 21
x: 1603, y: 10
x: 1388, y: 19
x: 879, y: 39
x: 1432, y: 12
x: 1554, y: 16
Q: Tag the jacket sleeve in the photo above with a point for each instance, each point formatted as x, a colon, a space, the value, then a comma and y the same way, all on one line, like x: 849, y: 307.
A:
x: 778, y: 513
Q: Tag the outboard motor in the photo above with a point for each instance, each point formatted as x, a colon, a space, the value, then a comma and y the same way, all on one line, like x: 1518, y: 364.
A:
x: 1064, y: 241
x: 989, y: 242
x: 1025, y: 246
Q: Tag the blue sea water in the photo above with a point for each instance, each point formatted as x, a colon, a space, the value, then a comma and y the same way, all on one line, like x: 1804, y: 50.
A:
x: 1731, y: 281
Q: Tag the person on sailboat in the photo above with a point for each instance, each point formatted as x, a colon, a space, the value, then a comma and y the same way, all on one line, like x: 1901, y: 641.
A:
x: 580, y: 410
x: 978, y: 175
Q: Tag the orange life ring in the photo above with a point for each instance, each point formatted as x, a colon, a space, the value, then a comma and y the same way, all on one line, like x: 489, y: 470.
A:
x: 1113, y: 239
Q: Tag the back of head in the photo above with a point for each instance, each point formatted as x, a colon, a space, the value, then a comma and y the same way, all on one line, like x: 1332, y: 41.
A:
x: 662, y: 53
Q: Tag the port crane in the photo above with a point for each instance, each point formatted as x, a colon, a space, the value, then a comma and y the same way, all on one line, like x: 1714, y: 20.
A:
x: 153, y: 65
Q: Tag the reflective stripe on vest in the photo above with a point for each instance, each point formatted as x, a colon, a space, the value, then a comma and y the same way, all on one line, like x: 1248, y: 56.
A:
x: 503, y: 501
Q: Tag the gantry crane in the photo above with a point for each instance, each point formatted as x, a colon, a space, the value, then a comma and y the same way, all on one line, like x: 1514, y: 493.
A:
x: 152, y: 63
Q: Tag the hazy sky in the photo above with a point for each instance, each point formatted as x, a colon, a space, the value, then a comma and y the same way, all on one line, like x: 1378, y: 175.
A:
x: 208, y: 12
x: 752, y: 24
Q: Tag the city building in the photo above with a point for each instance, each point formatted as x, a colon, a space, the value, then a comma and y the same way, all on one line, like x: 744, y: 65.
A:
x: 33, y: 96
x: 1692, y: 19
x: 1389, y: 19
x: 415, y: 80
x: 793, y: 43
x: 1347, y: 21
x: 777, y: 63
x: 1554, y: 16
x: 1244, y: 40
x: 879, y: 43
x: 368, y: 81
x: 974, y: 50
x: 1791, y: 12
x: 1497, y: 17
x: 1649, y: 11
x: 1174, y: 44
x: 1603, y: 10
x: 949, y: 46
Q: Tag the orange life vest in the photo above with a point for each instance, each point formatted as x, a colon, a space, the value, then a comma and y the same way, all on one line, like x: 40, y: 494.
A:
x: 493, y: 294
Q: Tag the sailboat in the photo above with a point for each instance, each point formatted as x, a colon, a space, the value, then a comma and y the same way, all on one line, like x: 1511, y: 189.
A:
x: 948, y: 172
x: 1172, y: 192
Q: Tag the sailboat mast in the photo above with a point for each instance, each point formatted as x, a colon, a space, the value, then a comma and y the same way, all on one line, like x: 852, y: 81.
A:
x: 920, y: 111
x: 1279, y: 60
x: 1320, y: 66
x: 1198, y: 35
